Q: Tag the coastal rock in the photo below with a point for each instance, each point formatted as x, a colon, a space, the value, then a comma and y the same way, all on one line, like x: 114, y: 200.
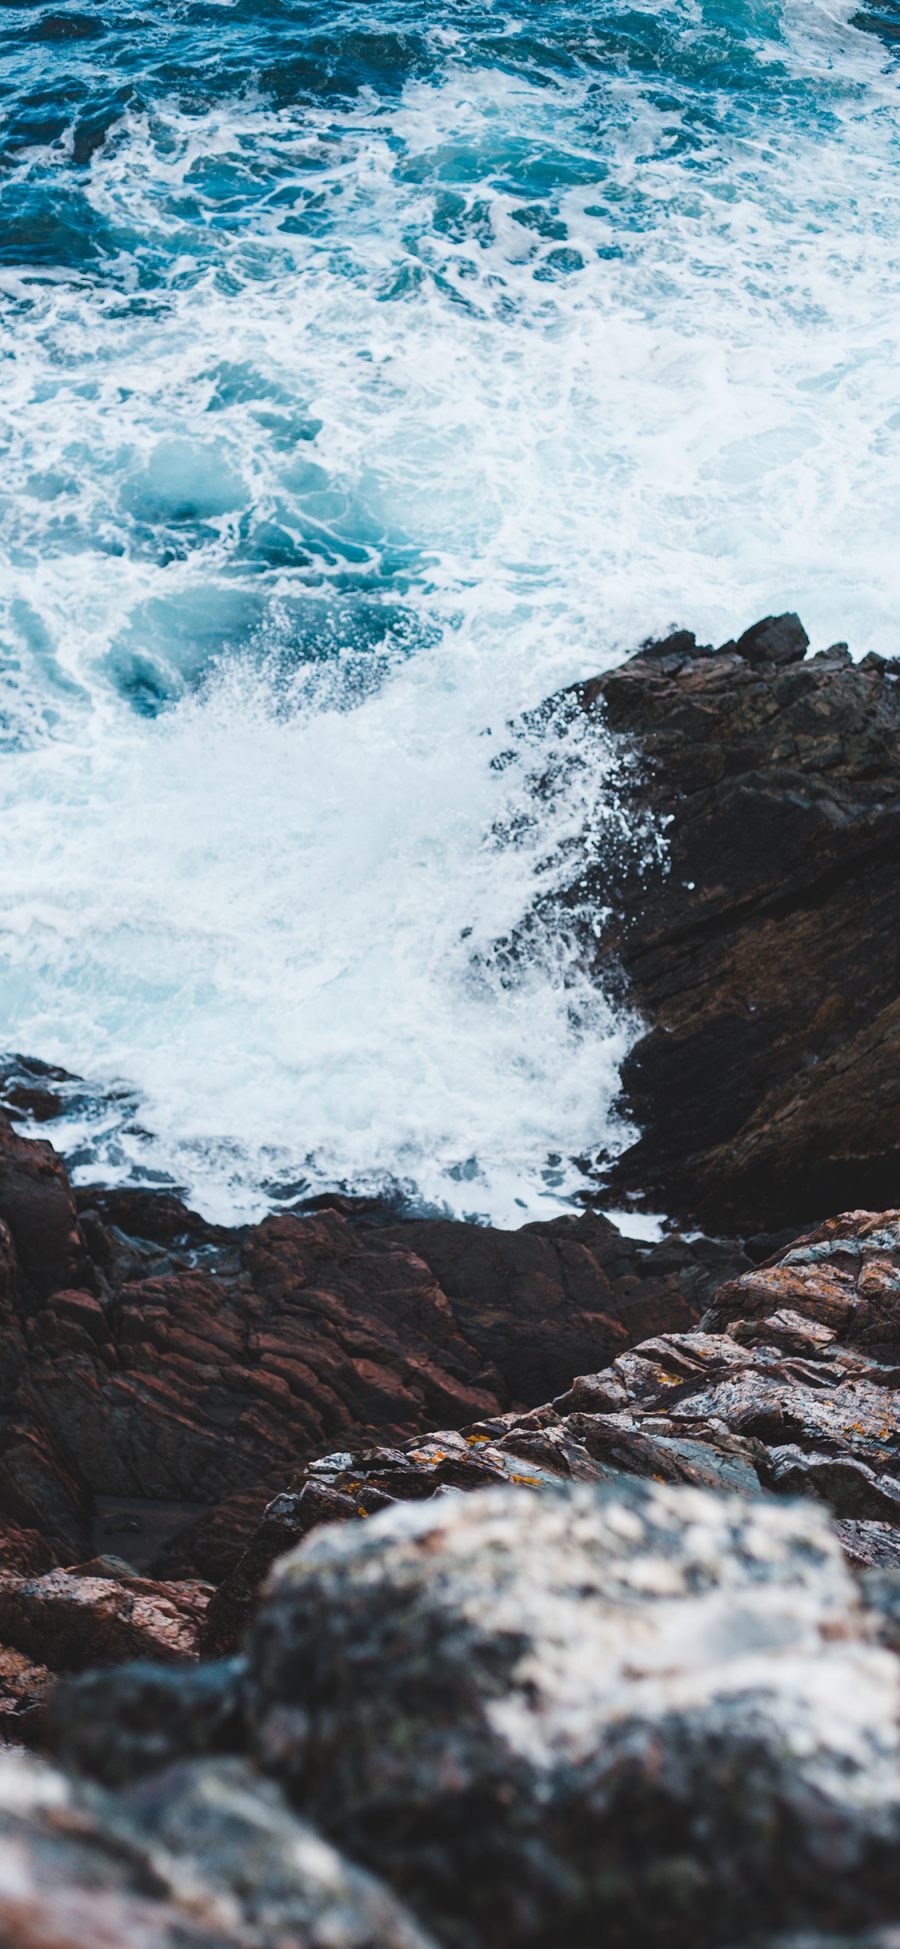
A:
x: 204, y: 1856
x: 38, y: 1208
x: 152, y: 1411
x: 755, y: 938
x: 629, y: 1691
x: 638, y: 1713
x: 98, y: 1614
x: 789, y: 1386
x: 195, y: 1370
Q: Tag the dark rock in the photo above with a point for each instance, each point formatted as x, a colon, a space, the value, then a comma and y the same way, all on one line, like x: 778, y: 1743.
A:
x: 198, y: 1857
x: 777, y: 639
x: 625, y: 1693
x: 37, y: 1205
x: 204, y: 1367
x: 888, y: 1938
x: 756, y: 935
x: 29, y: 1088
x: 636, y: 1715
x: 532, y: 1301
x: 119, y: 1725
x: 880, y: 1590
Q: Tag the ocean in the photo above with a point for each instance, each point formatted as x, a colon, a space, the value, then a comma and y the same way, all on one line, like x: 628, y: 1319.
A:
x: 370, y: 373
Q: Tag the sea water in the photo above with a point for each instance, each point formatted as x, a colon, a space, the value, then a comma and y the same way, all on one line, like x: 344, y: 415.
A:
x: 369, y: 373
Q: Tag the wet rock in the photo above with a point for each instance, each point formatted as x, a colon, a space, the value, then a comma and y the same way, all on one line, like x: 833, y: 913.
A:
x: 637, y: 1714
x: 533, y: 1300
x: 198, y: 1857
x: 752, y: 940
x: 154, y: 1406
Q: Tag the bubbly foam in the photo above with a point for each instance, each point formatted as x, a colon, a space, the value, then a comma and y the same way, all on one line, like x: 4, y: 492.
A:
x: 343, y: 424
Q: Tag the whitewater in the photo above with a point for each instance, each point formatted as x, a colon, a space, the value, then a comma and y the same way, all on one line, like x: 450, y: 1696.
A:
x: 369, y: 374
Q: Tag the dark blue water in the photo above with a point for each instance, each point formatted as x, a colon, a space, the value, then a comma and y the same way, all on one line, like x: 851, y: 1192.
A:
x: 368, y: 372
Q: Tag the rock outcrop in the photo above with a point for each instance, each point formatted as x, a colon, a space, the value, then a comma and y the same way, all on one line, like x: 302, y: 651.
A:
x: 789, y: 1386
x: 758, y: 940
x: 162, y: 1379
x: 644, y: 1687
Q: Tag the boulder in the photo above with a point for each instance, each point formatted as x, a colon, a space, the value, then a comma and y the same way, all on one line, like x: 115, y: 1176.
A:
x: 638, y: 1714
x: 119, y: 1724
x: 98, y: 1614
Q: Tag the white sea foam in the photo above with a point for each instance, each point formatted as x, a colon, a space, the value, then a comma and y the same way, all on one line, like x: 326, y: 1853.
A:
x: 471, y: 459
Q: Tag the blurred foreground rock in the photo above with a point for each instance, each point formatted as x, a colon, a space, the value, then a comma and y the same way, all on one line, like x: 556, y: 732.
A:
x: 203, y: 1856
x: 631, y: 1713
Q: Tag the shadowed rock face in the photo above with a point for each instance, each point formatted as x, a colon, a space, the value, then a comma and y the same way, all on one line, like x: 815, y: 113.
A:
x: 761, y: 944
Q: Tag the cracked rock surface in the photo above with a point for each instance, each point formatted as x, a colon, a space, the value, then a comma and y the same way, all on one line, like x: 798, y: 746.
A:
x: 789, y: 1385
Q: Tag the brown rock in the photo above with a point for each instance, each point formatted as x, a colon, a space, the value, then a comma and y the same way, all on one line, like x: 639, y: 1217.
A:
x: 789, y: 1386
x: 98, y: 1614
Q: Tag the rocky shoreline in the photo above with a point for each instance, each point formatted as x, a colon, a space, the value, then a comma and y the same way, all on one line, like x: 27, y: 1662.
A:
x: 285, y: 1681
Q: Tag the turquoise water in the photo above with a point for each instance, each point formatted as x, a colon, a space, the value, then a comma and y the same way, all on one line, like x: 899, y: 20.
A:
x: 368, y: 373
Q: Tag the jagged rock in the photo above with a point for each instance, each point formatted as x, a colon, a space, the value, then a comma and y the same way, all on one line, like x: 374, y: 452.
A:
x: 97, y: 1614
x: 196, y: 1369
x: 752, y: 941
x: 789, y: 1386
x: 37, y: 1206
x: 637, y: 1714
x: 161, y: 1379
x: 203, y: 1856
x: 532, y: 1300
x: 843, y: 1278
